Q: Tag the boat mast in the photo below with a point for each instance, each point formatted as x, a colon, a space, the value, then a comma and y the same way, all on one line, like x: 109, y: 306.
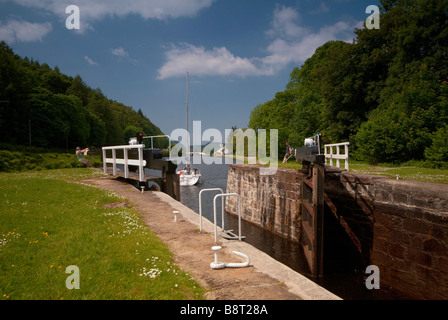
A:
x: 187, y: 100
x: 188, y: 132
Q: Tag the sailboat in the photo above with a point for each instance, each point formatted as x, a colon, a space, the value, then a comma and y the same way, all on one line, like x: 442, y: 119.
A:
x: 189, y: 176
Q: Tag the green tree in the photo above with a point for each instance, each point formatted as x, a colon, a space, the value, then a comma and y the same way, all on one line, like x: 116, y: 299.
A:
x: 79, y: 89
x: 131, y: 132
x: 438, y: 151
x: 99, y: 105
x: 412, y: 101
x: 60, y: 111
x: 55, y: 81
x: 386, y: 92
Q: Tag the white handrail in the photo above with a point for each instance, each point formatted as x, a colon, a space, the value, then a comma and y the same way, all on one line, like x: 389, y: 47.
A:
x: 338, y: 156
x: 162, y: 136
x: 239, y: 212
x: 200, y: 207
x: 125, y: 161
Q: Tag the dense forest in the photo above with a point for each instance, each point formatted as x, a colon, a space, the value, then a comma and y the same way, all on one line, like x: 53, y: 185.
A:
x: 43, y: 108
x: 386, y: 93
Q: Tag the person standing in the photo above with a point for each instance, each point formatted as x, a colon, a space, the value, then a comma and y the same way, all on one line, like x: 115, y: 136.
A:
x: 288, y: 152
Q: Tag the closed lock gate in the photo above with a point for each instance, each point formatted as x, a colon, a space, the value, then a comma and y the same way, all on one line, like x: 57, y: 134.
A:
x: 313, y: 218
x: 313, y: 168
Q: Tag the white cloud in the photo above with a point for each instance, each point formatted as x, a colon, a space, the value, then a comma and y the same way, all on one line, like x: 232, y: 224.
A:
x: 147, y: 9
x: 291, y: 43
x: 90, y: 61
x: 282, y: 52
x: 284, y: 23
x: 218, y: 61
x: 23, y: 31
x: 91, y: 11
x: 120, y: 52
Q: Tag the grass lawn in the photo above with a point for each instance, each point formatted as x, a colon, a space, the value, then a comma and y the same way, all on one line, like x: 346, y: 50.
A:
x: 404, y: 172
x: 48, y: 223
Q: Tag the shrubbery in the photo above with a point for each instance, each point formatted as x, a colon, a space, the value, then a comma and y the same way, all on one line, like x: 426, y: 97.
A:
x: 45, y: 108
x: 13, y: 161
x: 386, y: 93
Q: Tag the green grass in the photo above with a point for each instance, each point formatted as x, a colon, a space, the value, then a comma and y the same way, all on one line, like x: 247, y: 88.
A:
x: 404, y: 171
x: 48, y: 223
x: 412, y: 170
x: 15, y: 161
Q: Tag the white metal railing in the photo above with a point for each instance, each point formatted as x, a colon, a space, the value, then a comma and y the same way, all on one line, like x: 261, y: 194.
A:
x: 140, y: 163
x: 200, y: 206
x: 239, y: 213
x: 330, y: 155
x: 162, y: 136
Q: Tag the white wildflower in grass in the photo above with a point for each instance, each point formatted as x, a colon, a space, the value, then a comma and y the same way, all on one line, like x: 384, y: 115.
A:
x: 129, y: 221
x: 114, y: 195
x: 155, y: 271
x: 7, y: 237
x: 151, y: 273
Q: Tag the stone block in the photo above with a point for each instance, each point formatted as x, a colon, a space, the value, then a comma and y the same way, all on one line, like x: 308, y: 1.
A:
x: 399, y: 198
x: 400, y: 236
x: 396, y: 250
x: 419, y: 257
x: 442, y: 264
x: 440, y: 218
x: 390, y: 208
x: 381, y: 259
x: 380, y: 244
x: 388, y: 221
x: 435, y: 247
x: 382, y: 195
x: 415, y: 226
x: 399, y: 276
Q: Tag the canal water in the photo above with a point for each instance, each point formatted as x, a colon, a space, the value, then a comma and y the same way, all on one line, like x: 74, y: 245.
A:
x: 346, y: 281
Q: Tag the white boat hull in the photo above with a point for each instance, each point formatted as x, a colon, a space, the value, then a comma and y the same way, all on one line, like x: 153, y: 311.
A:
x: 189, y: 178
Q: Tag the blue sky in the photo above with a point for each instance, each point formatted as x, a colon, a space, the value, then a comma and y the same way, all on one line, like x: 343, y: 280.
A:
x: 238, y: 53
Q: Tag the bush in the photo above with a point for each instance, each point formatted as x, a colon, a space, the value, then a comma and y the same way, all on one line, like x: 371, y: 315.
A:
x: 438, y: 151
x: 24, y: 161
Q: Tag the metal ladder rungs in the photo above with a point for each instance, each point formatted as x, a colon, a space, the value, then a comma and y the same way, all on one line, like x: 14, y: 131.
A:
x: 230, y: 235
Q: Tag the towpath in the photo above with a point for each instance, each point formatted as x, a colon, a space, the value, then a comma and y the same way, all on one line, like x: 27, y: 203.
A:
x: 264, y: 279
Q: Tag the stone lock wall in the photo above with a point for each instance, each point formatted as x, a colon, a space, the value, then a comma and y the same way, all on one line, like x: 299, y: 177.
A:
x: 400, y: 226
x: 410, y: 239
x: 270, y: 201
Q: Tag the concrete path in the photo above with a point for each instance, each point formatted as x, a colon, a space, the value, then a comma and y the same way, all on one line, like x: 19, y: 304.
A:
x: 264, y: 279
